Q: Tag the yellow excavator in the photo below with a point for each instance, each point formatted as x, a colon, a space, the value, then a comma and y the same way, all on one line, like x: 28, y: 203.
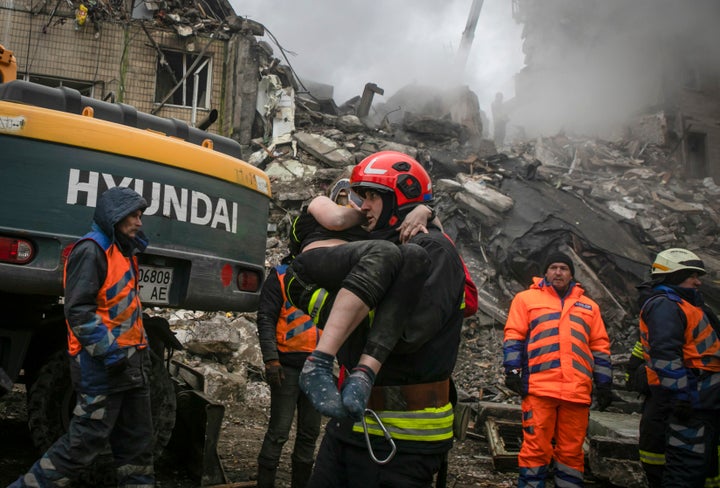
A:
x: 207, y: 221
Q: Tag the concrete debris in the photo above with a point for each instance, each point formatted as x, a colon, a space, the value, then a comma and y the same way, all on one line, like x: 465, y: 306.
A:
x: 325, y: 150
x: 611, y: 205
x: 212, y: 338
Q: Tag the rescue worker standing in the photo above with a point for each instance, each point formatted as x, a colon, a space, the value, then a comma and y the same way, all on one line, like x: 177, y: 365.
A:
x: 109, y: 354
x: 555, y: 345
x: 680, y: 423
x: 411, y: 396
x: 287, y: 336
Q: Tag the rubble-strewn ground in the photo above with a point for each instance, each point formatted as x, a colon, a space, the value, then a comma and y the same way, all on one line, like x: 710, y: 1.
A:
x: 243, y: 430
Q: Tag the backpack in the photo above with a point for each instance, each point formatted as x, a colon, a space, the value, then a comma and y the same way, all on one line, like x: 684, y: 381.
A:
x: 470, y: 302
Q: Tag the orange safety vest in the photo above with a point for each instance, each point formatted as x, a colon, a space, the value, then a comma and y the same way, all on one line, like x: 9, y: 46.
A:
x: 295, y: 330
x: 118, y: 300
x: 565, y: 341
x: 701, y: 349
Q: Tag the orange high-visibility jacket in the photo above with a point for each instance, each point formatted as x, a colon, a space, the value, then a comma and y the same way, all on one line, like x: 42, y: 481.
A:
x: 118, y: 305
x: 559, y: 344
x: 295, y: 330
x: 690, y: 372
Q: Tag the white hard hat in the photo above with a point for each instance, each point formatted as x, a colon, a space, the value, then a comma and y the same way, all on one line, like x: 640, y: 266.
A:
x: 676, y: 259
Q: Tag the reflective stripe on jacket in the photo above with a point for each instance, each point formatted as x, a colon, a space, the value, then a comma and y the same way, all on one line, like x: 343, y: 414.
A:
x: 295, y: 330
x: 427, y: 425
x: 118, y: 318
x: 560, y: 344
x: 687, y: 364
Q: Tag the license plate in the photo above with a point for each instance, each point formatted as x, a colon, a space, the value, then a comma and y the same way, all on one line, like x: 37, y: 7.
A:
x: 155, y: 284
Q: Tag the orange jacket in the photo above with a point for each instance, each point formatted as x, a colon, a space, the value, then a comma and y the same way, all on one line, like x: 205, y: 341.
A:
x: 681, y: 349
x: 559, y: 344
x: 295, y: 330
x: 118, y: 307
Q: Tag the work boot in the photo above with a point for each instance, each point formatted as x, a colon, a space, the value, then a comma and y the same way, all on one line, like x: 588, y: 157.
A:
x: 318, y: 384
x: 266, y: 476
x: 300, y: 474
x: 356, y: 390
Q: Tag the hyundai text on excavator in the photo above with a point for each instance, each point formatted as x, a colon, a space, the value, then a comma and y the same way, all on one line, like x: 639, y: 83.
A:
x: 206, y: 220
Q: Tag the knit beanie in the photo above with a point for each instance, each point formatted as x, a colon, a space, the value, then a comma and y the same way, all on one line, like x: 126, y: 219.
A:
x: 558, y: 257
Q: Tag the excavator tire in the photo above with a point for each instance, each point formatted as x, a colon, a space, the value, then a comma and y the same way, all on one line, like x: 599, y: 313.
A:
x: 51, y: 400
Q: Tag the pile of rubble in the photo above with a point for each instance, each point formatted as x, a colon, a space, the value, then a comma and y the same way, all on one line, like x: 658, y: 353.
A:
x: 610, y: 204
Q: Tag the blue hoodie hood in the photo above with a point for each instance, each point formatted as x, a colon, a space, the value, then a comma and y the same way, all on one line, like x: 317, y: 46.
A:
x: 114, y: 205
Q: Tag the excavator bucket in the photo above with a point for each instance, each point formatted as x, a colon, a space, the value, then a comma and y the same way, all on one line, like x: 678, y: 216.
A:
x: 197, y: 427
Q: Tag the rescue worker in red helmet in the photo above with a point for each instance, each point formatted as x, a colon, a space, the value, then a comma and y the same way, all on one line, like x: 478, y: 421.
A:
x: 338, y: 275
x: 410, y: 430
x: 555, y: 345
x: 680, y: 423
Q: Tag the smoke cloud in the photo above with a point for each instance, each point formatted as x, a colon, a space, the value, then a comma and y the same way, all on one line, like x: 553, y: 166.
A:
x: 394, y: 43
x: 592, y: 65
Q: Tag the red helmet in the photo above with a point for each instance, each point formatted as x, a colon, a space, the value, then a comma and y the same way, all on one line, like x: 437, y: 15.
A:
x: 396, y: 172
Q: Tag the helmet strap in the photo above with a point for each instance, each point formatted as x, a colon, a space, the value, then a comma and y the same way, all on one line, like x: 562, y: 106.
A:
x: 388, y: 216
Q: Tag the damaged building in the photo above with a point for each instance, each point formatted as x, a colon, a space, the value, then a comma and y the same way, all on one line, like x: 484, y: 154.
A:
x: 193, y: 61
x: 592, y: 66
x: 610, y: 187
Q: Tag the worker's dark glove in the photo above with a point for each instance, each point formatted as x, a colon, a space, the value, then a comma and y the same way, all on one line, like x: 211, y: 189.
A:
x: 513, y: 380
x: 117, y: 367
x: 603, y: 394
x: 319, y: 385
x: 682, y: 410
x: 637, y: 380
x: 356, y: 390
x: 274, y: 374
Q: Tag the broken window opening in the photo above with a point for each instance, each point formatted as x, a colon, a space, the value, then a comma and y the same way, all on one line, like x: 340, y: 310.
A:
x: 193, y: 90
x: 697, y: 155
x: 86, y: 88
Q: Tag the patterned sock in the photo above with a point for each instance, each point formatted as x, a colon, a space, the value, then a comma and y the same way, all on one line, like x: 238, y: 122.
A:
x: 318, y: 384
x: 356, y: 390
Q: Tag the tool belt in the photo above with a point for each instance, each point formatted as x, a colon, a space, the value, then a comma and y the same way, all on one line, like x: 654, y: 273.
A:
x: 410, y: 397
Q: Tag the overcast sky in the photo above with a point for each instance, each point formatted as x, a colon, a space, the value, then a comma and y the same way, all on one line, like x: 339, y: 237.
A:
x: 392, y: 43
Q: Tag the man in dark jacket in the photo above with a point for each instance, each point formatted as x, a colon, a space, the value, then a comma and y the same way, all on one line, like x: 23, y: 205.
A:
x: 108, y: 348
x: 409, y: 431
x: 287, y: 335
x: 680, y: 337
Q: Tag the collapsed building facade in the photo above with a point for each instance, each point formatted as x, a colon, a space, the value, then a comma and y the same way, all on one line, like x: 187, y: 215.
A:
x: 591, y: 66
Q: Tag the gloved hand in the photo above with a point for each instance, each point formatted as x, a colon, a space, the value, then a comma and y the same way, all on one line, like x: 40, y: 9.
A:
x: 318, y: 383
x: 603, y: 394
x: 356, y: 390
x: 513, y: 380
x: 682, y: 410
x: 274, y: 374
x: 637, y: 380
x: 117, y: 367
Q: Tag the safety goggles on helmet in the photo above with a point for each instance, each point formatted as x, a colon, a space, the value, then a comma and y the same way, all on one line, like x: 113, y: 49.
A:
x: 395, y: 172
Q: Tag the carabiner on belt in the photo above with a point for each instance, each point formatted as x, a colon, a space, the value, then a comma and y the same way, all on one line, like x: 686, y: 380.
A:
x: 386, y: 434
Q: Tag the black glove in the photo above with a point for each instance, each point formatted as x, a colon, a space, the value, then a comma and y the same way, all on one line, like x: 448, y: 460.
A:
x: 274, y: 374
x: 682, y: 410
x: 604, y: 397
x: 117, y: 367
x: 513, y: 380
x: 637, y: 380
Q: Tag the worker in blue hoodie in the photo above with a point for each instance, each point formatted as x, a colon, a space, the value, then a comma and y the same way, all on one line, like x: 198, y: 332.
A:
x: 108, y: 352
